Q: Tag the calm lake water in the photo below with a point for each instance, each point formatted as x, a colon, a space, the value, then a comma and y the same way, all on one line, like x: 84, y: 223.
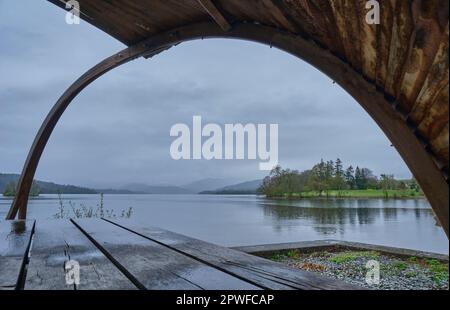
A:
x: 250, y: 220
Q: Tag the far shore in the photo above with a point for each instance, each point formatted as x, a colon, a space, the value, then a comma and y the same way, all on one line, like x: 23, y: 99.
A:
x: 356, y: 194
x: 332, y: 194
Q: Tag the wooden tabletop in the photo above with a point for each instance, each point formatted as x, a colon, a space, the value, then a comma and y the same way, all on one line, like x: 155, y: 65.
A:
x: 113, y: 254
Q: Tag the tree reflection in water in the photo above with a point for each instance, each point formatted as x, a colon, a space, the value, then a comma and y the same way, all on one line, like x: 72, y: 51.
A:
x: 332, y: 216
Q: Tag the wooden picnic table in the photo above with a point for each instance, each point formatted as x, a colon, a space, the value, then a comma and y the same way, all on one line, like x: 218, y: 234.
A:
x: 120, y: 255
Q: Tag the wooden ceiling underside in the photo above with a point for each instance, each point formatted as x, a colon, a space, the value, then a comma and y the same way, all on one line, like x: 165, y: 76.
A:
x: 406, y: 56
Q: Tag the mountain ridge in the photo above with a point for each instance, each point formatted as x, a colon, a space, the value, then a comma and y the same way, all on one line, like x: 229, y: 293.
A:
x: 248, y: 187
x: 202, y: 186
x: 141, y: 188
x: 207, y: 184
x: 46, y: 187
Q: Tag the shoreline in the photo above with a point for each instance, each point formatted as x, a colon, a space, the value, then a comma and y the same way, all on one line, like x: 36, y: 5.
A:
x: 349, y: 194
x: 346, y: 197
x: 293, y: 198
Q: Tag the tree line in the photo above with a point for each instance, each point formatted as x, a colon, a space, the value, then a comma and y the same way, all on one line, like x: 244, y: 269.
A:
x: 328, y: 176
x: 11, y: 187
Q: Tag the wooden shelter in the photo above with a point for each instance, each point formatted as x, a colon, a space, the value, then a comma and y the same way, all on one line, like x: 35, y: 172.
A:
x: 396, y: 70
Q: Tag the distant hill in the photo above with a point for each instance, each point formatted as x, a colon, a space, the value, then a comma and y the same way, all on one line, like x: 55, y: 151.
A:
x: 249, y: 187
x: 156, y: 189
x: 112, y: 191
x: 205, y: 186
x: 209, y: 184
x: 46, y: 187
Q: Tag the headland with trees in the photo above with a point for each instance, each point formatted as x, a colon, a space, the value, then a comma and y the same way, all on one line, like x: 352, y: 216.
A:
x: 329, y: 179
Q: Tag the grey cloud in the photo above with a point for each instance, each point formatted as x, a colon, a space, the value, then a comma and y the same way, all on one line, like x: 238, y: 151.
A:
x: 117, y: 130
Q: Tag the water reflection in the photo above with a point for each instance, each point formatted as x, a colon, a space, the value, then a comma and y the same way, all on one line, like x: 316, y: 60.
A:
x: 334, y: 216
x: 248, y: 220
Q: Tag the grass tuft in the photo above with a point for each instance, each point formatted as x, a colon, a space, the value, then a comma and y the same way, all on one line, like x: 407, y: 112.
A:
x: 83, y: 211
x: 345, y: 257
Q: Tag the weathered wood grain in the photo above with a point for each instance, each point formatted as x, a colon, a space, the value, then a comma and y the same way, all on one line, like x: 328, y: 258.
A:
x: 347, y: 22
x: 215, y: 13
x: 156, y: 266
x: 423, y: 46
x: 15, y: 239
x: 59, y: 241
x: 266, y: 273
x: 384, y: 37
x: 437, y: 79
x: 369, y: 44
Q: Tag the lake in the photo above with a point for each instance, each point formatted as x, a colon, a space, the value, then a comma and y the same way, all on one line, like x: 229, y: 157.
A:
x: 233, y: 220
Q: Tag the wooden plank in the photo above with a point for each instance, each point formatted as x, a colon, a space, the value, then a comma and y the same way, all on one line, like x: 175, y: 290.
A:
x: 402, y: 29
x: 368, y: 36
x: 58, y: 241
x: 156, y: 266
x: 384, y: 35
x: 15, y: 239
x: 265, y: 273
x: 436, y: 80
x: 133, y: 21
x: 424, y: 44
x: 214, y: 12
x: 347, y: 23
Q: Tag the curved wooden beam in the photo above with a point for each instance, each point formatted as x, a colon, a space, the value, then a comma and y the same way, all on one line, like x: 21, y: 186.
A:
x: 374, y: 101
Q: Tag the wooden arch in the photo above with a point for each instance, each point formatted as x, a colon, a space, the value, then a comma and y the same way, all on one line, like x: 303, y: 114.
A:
x: 380, y: 106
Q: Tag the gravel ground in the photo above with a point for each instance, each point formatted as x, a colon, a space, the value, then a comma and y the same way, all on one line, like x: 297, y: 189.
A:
x: 396, y: 273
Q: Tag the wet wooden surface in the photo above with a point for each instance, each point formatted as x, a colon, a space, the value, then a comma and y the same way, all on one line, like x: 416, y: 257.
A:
x: 15, y: 238
x: 263, y: 272
x: 156, y: 266
x: 57, y: 242
x: 122, y: 255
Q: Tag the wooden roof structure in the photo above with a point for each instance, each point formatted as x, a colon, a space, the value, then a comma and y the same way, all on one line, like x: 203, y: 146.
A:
x: 397, y: 70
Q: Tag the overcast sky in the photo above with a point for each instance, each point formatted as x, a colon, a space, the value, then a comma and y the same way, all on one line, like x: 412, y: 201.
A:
x: 117, y: 130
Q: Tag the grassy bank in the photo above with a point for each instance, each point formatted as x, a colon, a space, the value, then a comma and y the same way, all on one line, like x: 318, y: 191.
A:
x: 367, y: 193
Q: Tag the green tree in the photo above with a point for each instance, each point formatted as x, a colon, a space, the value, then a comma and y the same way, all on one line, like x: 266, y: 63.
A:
x: 370, y: 181
x: 387, y: 183
x: 284, y: 182
x: 350, y: 177
x: 339, y: 179
x: 338, y: 169
x: 329, y: 169
x: 414, y: 185
x: 318, y: 177
x: 401, y: 185
x: 326, y: 176
x: 359, y: 179
x: 10, y: 189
